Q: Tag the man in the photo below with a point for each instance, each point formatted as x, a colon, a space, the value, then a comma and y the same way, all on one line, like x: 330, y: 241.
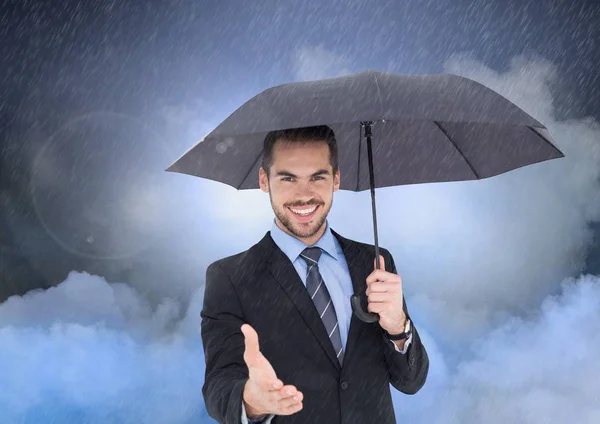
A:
x: 281, y: 343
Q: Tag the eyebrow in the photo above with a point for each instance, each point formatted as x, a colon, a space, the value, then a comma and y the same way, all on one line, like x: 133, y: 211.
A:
x: 289, y: 174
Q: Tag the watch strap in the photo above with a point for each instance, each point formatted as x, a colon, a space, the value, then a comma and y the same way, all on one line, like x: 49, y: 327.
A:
x: 403, y: 335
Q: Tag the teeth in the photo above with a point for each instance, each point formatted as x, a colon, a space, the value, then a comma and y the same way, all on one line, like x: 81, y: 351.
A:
x: 304, y: 211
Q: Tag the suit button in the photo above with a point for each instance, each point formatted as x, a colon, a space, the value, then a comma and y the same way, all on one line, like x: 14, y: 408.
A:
x: 344, y: 385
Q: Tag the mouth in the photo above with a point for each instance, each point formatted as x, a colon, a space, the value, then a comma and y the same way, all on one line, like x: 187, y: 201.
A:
x: 304, y: 213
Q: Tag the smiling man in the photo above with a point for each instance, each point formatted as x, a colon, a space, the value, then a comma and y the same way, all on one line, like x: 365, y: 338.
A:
x: 281, y: 343
x: 301, y: 186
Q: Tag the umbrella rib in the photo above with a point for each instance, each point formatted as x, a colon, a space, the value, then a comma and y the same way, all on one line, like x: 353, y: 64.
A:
x: 536, y: 132
x: 250, y: 169
x: 457, y: 148
x: 360, y: 134
x: 379, y: 95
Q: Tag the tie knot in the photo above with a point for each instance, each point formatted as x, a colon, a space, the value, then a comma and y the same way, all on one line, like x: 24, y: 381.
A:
x: 311, y: 255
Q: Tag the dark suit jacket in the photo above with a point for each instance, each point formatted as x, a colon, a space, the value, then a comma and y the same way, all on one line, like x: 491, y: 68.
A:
x: 262, y: 288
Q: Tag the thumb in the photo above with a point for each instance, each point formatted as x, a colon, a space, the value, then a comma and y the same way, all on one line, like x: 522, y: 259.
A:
x: 381, y: 263
x: 252, y: 351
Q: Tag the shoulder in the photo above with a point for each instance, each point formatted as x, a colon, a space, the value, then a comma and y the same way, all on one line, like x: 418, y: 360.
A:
x: 366, y: 249
x: 348, y: 242
x: 242, y: 262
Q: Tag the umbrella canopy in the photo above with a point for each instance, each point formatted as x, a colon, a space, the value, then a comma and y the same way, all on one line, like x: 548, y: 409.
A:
x: 418, y: 128
x: 427, y: 128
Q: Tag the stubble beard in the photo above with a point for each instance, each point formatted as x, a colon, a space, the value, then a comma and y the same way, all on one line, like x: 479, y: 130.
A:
x: 297, y: 229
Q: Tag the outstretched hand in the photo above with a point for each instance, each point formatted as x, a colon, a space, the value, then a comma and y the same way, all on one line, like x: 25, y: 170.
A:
x: 264, y: 393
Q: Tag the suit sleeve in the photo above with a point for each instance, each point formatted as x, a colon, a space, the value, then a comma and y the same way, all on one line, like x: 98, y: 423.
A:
x: 223, y: 343
x: 408, y: 372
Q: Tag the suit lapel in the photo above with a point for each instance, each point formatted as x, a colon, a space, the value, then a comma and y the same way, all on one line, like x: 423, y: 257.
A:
x: 285, y: 274
x: 358, y: 260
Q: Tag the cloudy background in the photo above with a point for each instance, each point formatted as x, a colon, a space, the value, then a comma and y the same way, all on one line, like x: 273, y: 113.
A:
x: 103, y: 254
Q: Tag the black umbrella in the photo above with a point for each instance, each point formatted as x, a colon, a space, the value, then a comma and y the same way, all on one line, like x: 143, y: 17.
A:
x: 428, y: 128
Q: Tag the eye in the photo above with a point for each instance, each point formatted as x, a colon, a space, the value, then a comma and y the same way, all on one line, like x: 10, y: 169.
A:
x: 286, y: 179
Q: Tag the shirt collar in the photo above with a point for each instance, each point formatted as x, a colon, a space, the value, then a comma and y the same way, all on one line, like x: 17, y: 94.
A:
x: 292, y: 247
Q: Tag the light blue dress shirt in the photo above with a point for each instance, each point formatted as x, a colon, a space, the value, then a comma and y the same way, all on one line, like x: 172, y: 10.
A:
x: 336, y: 276
x: 333, y: 269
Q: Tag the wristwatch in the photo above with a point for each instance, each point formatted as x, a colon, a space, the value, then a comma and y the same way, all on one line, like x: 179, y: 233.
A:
x: 401, y: 336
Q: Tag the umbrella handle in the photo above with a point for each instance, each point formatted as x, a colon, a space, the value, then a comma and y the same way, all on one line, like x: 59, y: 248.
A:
x: 364, y: 316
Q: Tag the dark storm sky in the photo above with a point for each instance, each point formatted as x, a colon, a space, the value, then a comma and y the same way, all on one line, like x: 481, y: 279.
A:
x: 136, y: 55
x: 203, y: 59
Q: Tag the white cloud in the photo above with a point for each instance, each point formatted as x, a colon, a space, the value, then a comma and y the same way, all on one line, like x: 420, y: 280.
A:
x: 537, y: 370
x: 318, y: 62
x: 99, y: 351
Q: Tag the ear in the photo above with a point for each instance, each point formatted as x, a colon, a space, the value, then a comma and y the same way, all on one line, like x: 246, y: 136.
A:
x: 263, y: 180
x: 336, y: 181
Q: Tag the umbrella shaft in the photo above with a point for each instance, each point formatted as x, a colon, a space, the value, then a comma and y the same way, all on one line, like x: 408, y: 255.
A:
x: 372, y: 183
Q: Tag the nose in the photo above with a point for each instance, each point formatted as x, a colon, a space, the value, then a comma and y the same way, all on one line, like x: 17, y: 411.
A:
x: 304, y: 191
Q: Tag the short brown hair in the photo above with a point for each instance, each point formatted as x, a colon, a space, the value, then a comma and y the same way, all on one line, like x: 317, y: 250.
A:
x: 318, y: 133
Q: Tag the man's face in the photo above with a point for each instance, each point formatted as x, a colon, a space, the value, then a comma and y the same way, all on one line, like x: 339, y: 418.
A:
x: 301, y: 187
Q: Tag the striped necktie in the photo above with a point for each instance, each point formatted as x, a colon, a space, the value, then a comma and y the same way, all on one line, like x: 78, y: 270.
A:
x: 320, y: 296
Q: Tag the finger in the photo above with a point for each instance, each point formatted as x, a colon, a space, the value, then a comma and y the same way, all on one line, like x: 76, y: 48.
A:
x: 377, y: 287
x: 377, y: 275
x: 291, y: 404
x: 291, y: 409
x: 296, y: 396
x: 381, y: 263
x: 384, y: 287
x: 381, y: 275
x: 380, y: 297
x: 271, y: 385
x: 287, y: 391
x: 276, y: 386
x: 377, y: 307
x: 252, y: 348
x: 290, y: 401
